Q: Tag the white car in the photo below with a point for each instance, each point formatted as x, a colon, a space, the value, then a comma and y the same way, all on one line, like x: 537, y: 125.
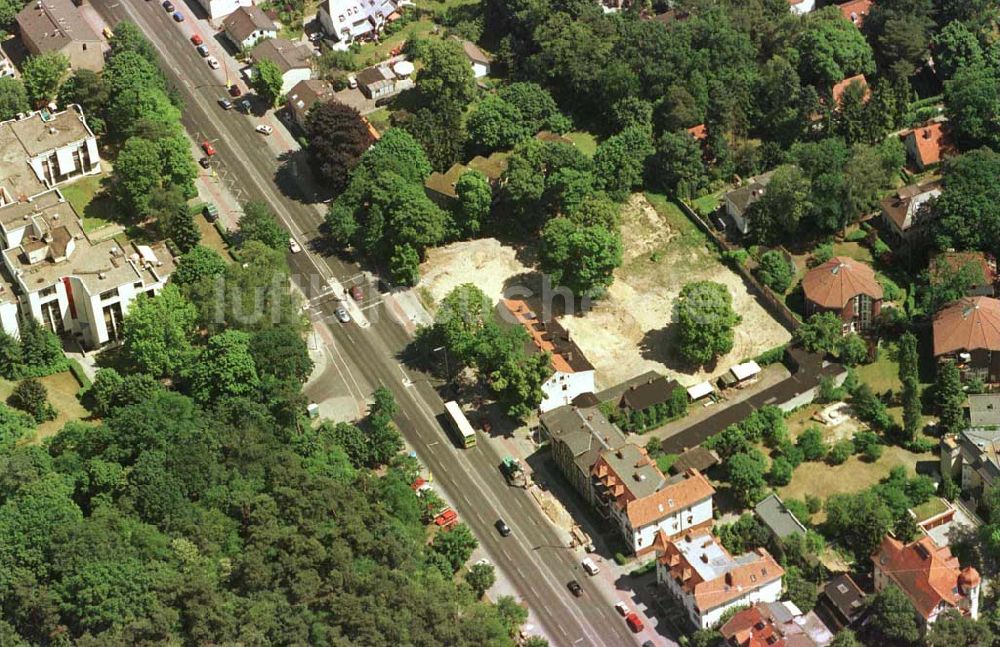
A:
x: 264, y: 129
x: 590, y: 566
x: 294, y: 246
x: 213, y: 62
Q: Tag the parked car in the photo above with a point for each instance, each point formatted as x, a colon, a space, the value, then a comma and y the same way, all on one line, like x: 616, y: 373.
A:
x: 178, y: 16
x: 574, y: 588
x: 293, y: 246
x: 234, y: 91
x: 590, y: 566
x: 352, y: 82
x: 108, y: 33
x: 210, y: 211
x: 226, y: 104
x: 357, y: 293
x: 245, y: 105
x: 205, y: 162
x: 208, y: 148
x: 264, y: 129
x: 213, y: 62
x: 203, y: 50
x: 196, y: 40
x: 168, y: 6
x: 621, y: 608
x: 341, y: 314
x: 502, y: 528
x: 633, y: 622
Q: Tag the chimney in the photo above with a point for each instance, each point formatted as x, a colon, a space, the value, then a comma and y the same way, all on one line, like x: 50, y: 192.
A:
x: 927, y: 133
x: 704, y: 559
x: 729, y: 578
x: 618, y: 453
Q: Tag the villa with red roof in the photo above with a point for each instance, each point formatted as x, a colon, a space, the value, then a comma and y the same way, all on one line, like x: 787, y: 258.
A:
x: 572, y: 374
x: 928, y: 145
x: 968, y: 333
x: 708, y: 581
x: 929, y: 576
x: 630, y: 489
x: 847, y: 287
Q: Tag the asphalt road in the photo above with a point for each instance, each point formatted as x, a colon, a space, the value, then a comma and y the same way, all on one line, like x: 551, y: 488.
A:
x: 533, y: 558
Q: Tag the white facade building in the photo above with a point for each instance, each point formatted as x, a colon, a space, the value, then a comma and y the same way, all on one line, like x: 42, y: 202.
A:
x: 348, y: 20
x: 294, y: 60
x: 247, y: 26
x: 221, y: 8
x: 701, y: 574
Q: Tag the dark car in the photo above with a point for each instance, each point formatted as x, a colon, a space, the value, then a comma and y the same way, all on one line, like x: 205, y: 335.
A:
x: 649, y: 643
x: 178, y: 16
x: 245, y: 105
x: 234, y: 90
x: 357, y: 293
x: 575, y: 588
x: 168, y: 6
x: 502, y: 528
x: 205, y: 162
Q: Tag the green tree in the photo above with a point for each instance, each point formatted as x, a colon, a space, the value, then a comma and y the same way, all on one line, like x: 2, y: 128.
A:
x: 481, y: 577
x: 495, y: 124
x: 280, y: 351
x: 583, y: 258
x: 745, y: 472
x: 404, y: 265
x: 910, y: 379
x: 775, y: 271
x: 706, y: 319
x: 31, y: 397
x: 182, y: 229
x: 972, y: 102
x: 136, y: 174
x: 820, y: 333
x: 445, y: 81
x: 196, y: 264
x: 90, y: 91
x: 781, y: 472
x: 258, y: 222
x: 967, y: 213
x: 858, y: 521
x: 14, y: 425
x: 129, y: 38
x: 456, y: 545
x: 780, y: 210
x: 537, y: 107
x: 955, y: 47
x: 42, y: 75
x: 337, y: 138
x: 950, y: 397
x: 893, y: 617
x: 475, y: 200
x: 13, y: 98
x: 952, y: 629
x: 677, y: 166
x: 157, y: 332
x: 267, y: 81
x: 845, y: 638
x: 621, y: 159
x: 852, y: 349
x: 832, y: 49
x: 512, y: 613
x: 224, y: 368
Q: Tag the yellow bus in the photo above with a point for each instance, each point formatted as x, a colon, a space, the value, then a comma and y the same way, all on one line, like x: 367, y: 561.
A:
x: 460, y: 424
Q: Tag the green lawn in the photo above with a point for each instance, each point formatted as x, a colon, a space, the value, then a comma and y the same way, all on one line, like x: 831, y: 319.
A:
x: 853, y: 250
x: 707, y: 204
x: 62, y: 388
x: 210, y: 236
x: 882, y: 374
x: 380, y: 119
x: 927, y: 510
x: 584, y: 141
x: 89, y: 198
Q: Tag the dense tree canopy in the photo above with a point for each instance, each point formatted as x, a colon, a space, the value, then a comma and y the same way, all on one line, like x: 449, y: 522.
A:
x: 337, y: 137
x: 705, y: 321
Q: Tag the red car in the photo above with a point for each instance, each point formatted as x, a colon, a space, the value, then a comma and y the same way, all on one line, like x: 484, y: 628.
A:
x: 196, y: 40
x: 208, y: 148
x: 633, y: 622
x: 234, y: 90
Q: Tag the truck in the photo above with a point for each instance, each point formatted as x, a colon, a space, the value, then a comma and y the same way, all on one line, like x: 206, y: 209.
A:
x: 513, y: 472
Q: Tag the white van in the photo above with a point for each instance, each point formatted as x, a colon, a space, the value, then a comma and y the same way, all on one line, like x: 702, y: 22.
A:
x: 590, y: 566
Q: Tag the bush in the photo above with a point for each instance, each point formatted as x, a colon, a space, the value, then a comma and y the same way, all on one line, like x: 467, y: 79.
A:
x: 771, y: 356
x: 828, y: 390
x: 79, y: 373
x: 920, y: 445
x: 840, y: 452
x: 735, y: 257
x: 822, y: 253
x: 775, y: 271
x: 879, y: 248
x: 890, y: 290
x: 856, y: 236
x: 812, y: 445
x: 781, y: 472
x: 814, y: 503
x: 31, y: 397
x: 620, y: 559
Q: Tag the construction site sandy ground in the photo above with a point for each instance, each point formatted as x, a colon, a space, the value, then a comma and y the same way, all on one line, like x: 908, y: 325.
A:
x: 630, y: 330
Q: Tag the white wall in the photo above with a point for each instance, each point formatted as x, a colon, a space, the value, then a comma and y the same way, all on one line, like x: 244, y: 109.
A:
x: 575, y: 384
x: 770, y: 592
x: 255, y: 38
x: 733, y: 212
x: 480, y: 70
x: 803, y: 7
x: 9, y: 318
x: 291, y: 77
x: 222, y: 8
x: 674, y: 524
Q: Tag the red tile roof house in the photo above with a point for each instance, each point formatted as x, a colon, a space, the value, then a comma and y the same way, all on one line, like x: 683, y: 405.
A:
x: 947, y: 264
x: 928, y: 145
x: 776, y: 624
x: 837, y: 91
x: 856, y: 11
x: 629, y: 489
x: 968, y: 332
x: 707, y: 581
x: 929, y: 576
x: 572, y: 374
x: 847, y: 287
